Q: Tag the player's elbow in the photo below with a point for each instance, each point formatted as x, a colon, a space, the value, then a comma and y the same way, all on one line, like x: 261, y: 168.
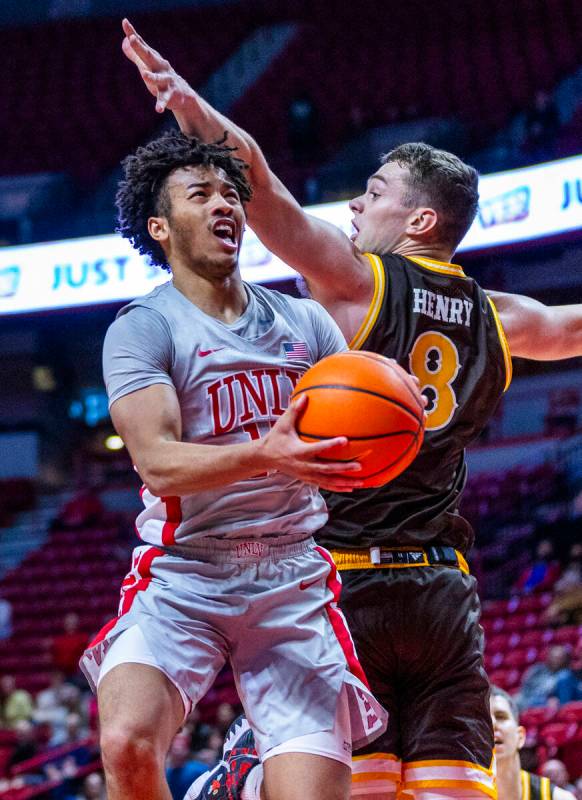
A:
x: 156, y: 478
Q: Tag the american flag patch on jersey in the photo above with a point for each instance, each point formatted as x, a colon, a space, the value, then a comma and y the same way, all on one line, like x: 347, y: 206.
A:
x: 295, y: 350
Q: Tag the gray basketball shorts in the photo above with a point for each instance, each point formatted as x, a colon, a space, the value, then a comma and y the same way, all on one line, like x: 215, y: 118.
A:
x: 271, y: 610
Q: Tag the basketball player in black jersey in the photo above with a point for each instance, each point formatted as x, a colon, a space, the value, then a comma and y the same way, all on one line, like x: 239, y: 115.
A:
x: 409, y: 599
x: 514, y: 783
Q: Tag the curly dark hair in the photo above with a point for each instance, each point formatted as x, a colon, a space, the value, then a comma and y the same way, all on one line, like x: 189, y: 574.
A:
x: 142, y: 192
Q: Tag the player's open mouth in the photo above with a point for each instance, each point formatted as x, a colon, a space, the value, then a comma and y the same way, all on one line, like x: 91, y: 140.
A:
x: 225, y: 230
x: 355, y: 232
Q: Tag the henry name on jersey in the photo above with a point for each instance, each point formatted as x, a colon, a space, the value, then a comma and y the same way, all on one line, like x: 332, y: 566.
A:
x: 442, y: 307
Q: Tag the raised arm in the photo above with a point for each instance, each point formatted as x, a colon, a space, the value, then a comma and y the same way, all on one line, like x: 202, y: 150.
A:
x: 149, y: 422
x: 333, y: 267
x: 537, y: 331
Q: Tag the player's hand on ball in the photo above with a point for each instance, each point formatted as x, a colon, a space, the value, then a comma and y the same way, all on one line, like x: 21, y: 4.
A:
x: 287, y: 453
x: 170, y: 89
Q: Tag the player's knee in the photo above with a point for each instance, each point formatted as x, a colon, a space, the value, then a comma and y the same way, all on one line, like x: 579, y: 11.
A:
x: 128, y: 751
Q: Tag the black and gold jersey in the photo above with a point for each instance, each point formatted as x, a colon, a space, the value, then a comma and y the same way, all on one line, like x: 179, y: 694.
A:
x: 439, y: 325
x: 534, y: 787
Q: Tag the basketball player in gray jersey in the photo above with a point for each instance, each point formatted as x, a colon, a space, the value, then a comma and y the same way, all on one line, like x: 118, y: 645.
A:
x: 199, y: 375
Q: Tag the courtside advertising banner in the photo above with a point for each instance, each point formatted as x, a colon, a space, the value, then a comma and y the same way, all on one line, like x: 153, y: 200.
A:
x: 515, y: 206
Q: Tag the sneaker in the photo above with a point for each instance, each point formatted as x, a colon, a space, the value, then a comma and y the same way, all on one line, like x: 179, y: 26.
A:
x: 226, y: 780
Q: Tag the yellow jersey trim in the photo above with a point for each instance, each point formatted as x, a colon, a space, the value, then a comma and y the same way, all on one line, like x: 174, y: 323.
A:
x: 375, y: 305
x: 452, y: 784
x: 546, y: 789
x: 364, y: 777
x: 438, y: 266
x: 504, y: 345
x: 525, y: 792
x: 360, y: 559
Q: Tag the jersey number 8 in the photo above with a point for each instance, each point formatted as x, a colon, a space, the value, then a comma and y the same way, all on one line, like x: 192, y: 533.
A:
x: 434, y: 360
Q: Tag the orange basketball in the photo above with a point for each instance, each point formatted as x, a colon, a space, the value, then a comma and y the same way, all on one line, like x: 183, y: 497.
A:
x: 372, y: 401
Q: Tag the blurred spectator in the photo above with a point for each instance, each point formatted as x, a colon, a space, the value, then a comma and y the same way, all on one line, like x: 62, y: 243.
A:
x: 566, y: 607
x: 5, y: 618
x: 572, y: 574
x: 542, y: 574
x: 303, y: 129
x: 83, y: 509
x: 50, y: 700
x: 68, y: 648
x: 26, y: 744
x: 62, y: 719
x: 569, y: 686
x: 198, y: 731
x: 93, y: 788
x: 74, y: 730
x: 210, y: 754
x: 15, y: 704
x: 181, y: 769
x: 66, y: 769
x: 540, y: 680
x: 225, y: 716
x: 541, y: 127
x: 556, y: 771
x: 578, y: 792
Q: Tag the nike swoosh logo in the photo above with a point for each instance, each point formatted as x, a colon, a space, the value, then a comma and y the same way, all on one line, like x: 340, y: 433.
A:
x: 204, y: 353
x: 306, y: 584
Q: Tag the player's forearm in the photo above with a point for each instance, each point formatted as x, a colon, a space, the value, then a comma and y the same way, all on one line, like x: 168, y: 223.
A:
x: 180, y: 468
x: 197, y: 117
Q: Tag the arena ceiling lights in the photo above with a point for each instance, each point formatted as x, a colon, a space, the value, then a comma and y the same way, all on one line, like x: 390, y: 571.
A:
x: 515, y: 206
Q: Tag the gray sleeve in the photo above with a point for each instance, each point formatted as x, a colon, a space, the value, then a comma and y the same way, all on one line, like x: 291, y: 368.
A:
x: 137, y: 352
x: 328, y: 336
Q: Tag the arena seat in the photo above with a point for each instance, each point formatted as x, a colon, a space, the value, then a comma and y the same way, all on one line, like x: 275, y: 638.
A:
x: 538, y: 716
x: 483, y: 64
x: 507, y: 679
x: 521, y: 658
x: 107, y: 111
x: 557, y: 734
x: 568, y: 635
x: 76, y: 570
x: 538, y: 638
x: 570, y: 712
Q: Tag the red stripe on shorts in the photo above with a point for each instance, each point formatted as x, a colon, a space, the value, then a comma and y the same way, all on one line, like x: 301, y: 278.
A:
x: 173, y: 519
x: 130, y: 587
x: 338, y: 622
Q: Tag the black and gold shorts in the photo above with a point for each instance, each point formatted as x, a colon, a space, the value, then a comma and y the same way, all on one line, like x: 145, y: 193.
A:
x: 417, y: 634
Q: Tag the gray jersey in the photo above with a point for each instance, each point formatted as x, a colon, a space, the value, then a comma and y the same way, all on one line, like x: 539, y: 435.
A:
x: 232, y: 383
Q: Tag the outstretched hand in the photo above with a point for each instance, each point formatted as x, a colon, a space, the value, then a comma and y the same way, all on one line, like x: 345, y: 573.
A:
x: 170, y: 89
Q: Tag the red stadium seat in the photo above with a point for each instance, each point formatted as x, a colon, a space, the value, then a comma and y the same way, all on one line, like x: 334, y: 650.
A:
x: 537, y: 716
x: 570, y: 712
x: 537, y: 638
x: 569, y: 634
x: 507, y: 679
x: 558, y: 733
x: 520, y: 659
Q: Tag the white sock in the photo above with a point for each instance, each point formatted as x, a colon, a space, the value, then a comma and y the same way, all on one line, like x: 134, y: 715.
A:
x: 252, y: 788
